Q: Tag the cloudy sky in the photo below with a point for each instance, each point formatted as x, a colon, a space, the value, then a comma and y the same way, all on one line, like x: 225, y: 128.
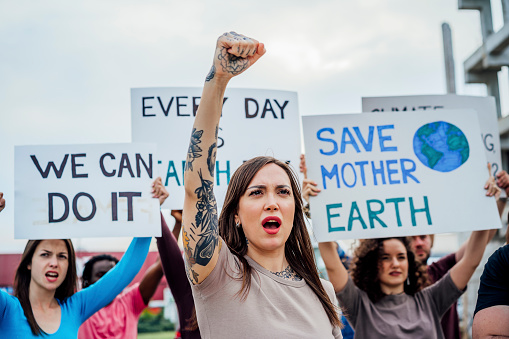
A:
x: 66, y: 68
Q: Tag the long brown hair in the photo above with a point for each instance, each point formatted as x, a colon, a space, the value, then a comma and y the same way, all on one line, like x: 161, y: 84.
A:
x: 23, y: 277
x: 298, y: 249
x: 365, y: 268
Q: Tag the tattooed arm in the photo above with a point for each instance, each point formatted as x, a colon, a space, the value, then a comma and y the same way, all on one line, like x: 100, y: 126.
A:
x: 234, y: 54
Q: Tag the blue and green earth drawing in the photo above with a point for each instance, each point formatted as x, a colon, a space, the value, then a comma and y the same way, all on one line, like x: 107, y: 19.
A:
x: 441, y: 146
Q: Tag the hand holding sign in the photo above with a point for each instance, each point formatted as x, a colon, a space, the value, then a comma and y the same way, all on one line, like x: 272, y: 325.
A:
x: 302, y: 166
x: 492, y: 190
x: 503, y: 180
x: 159, y: 191
x: 309, y: 187
x: 234, y: 54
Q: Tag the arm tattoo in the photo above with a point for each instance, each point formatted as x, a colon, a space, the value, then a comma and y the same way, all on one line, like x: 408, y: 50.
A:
x: 211, y: 74
x: 236, y: 35
x: 191, y: 274
x: 211, y: 159
x: 231, y: 63
x: 206, y: 222
x: 205, y: 228
x: 194, y: 149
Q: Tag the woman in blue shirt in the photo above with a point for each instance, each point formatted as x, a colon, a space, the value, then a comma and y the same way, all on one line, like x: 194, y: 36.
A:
x: 45, y: 303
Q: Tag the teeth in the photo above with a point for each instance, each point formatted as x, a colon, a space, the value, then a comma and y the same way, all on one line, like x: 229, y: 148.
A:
x: 50, y: 274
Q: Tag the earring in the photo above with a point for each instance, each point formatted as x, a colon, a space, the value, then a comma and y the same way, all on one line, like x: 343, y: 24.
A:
x: 407, y: 281
x: 237, y: 224
x: 247, y: 241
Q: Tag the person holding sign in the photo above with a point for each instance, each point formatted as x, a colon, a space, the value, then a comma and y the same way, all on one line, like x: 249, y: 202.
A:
x: 252, y: 269
x: 385, y: 295
x: 119, y: 319
x: 45, y: 303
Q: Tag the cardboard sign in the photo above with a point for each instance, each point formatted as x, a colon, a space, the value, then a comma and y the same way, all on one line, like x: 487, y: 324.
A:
x: 74, y: 191
x: 397, y: 174
x: 484, y: 106
x: 253, y: 123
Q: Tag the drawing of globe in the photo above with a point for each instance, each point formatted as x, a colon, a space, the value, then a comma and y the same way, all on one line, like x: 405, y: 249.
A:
x: 441, y: 146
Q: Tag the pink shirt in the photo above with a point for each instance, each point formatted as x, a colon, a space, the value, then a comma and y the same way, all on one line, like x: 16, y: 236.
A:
x: 117, y: 320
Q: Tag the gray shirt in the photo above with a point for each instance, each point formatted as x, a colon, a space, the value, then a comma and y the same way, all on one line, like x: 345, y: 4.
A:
x: 401, y: 315
x: 274, y: 308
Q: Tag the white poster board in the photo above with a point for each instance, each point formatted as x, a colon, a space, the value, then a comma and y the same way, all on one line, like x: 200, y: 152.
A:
x: 397, y: 174
x: 484, y: 106
x: 254, y: 122
x: 75, y: 191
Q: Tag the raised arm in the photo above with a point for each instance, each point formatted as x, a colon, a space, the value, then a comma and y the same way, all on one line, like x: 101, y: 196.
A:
x: 464, y: 269
x: 338, y: 275
x: 461, y: 251
x: 177, y: 214
x: 475, y: 246
x: 150, y: 281
x: 153, y: 275
x: 101, y: 293
x: 234, y: 54
x: 175, y: 272
x: 491, y: 191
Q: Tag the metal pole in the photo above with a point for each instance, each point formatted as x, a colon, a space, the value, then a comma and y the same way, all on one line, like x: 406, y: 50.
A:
x: 450, y: 77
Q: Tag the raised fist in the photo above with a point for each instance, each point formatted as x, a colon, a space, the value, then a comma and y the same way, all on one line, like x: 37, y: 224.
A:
x: 234, y: 54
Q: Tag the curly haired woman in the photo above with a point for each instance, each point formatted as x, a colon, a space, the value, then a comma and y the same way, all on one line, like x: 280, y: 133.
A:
x: 386, y: 297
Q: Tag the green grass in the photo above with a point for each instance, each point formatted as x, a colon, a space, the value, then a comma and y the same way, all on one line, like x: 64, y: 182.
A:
x: 157, y: 335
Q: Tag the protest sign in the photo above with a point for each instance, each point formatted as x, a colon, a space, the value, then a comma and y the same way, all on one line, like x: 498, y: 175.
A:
x: 253, y: 123
x: 397, y: 174
x: 484, y: 106
x: 102, y: 190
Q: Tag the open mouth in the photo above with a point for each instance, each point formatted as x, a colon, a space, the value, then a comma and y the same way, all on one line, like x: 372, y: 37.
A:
x: 51, y: 276
x: 271, y: 225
